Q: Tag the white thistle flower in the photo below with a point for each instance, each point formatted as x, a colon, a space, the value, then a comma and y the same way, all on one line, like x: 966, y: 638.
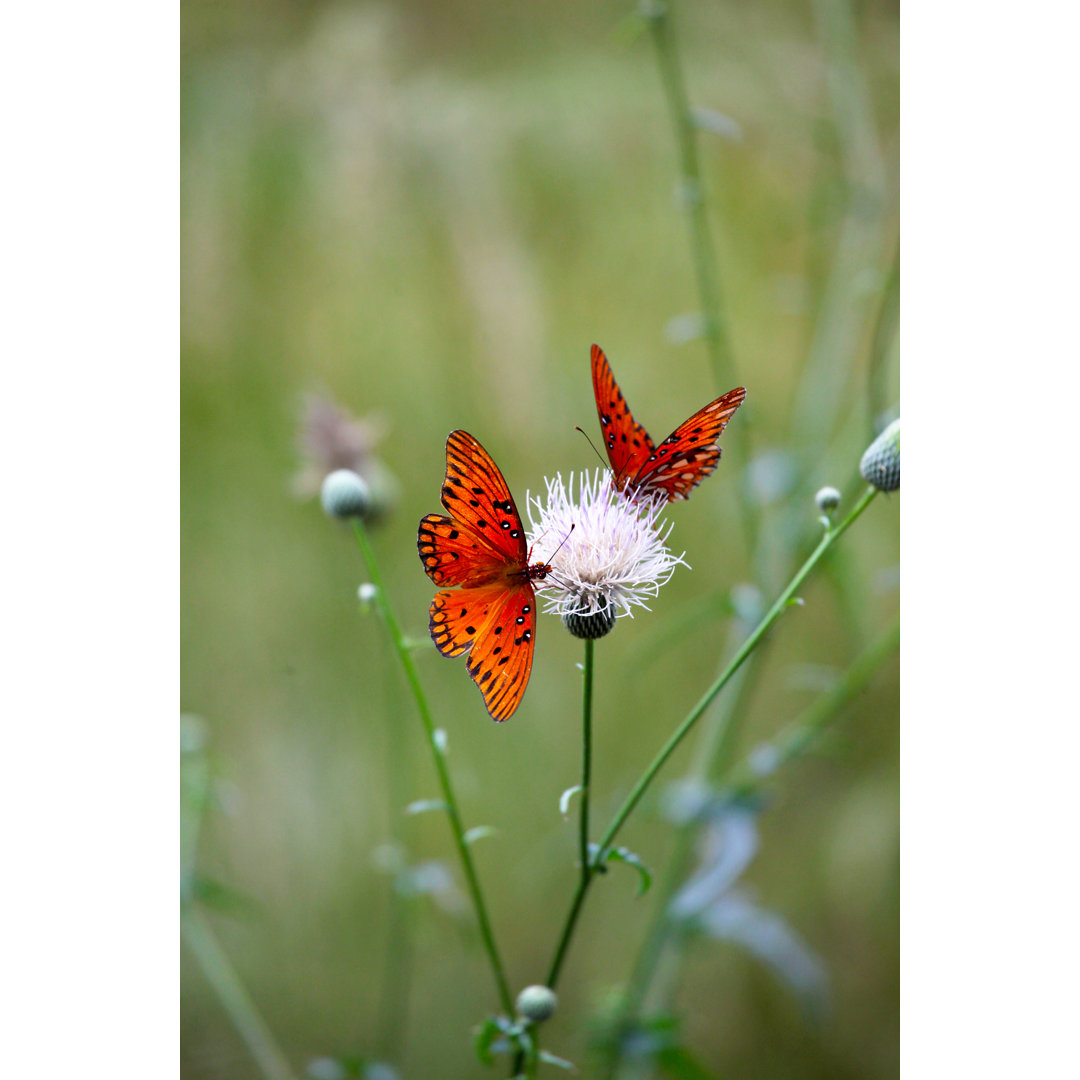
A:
x: 615, y: 557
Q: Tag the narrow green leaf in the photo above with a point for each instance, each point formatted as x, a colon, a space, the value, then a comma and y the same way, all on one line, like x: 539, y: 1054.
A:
x: 478, y: 832
x: 564, y: 800
x: 558, y: 1062
x: 623, y: 855
x: 484, y: 1036
x: 422, y: 806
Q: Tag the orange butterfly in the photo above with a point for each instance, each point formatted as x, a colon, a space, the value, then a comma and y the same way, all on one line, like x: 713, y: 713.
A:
x: 680, y: 462
x: 481, y: 548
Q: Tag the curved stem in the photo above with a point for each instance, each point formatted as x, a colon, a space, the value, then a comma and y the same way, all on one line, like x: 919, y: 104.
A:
x: 453, y: 814
x: 831, y: 536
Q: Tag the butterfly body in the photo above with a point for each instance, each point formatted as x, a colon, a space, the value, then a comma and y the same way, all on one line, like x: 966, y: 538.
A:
x: 478, y: 549
x: 672, y: 468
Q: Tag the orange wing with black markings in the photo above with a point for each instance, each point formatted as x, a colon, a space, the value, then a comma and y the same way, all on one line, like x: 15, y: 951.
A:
x: 627, y: 442
x: 495, y: 626
x: 480, y: 547
x: 678, y: 464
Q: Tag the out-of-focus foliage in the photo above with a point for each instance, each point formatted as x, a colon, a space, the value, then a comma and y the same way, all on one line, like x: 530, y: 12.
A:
x: 429, y: 212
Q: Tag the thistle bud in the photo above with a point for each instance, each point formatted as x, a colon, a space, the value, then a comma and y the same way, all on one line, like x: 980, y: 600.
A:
x: 345, y: 495
x: 536, y: 1003
x: 588, y: 622
x: 880, y: 464
x: 827, y: 499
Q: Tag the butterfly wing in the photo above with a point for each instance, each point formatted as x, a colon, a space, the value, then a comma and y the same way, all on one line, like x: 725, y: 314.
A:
x: 627, y: 442
x: 689, y: 453
x: 483, y: 536
x: 495, y: 625
x: 480, y: 545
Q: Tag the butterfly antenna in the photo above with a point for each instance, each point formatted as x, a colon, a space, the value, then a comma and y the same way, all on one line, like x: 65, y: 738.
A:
x: 593, y: 445
x: 553, y: 572
x: 573, y: 526
x: 607, y: 464
x: 556, y: 551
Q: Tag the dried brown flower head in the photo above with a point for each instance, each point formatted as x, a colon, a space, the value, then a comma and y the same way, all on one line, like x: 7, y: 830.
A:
x: 330, y: 438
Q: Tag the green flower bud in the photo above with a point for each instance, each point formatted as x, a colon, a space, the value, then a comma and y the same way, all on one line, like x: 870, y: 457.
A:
x: 537, y: 1003
x: 880, y: 464
x: 345, y: 495
x: 827, y: 499
x: 590, y: 623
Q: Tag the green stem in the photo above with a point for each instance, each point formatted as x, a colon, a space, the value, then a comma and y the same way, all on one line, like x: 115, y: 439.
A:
x: 234, y: 998
x: 453, y: 814
x: 692, y: 198
x: 692, y: 191
x: 586, y: 761
x: 586, y: 861
x: 831, y: 536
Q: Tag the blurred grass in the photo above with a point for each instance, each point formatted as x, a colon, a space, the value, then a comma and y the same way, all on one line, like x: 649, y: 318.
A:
x: 432, y: 211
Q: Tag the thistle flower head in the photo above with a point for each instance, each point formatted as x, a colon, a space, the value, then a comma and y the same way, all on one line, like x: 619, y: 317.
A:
x: 613, y: 553
x: 880, y: 464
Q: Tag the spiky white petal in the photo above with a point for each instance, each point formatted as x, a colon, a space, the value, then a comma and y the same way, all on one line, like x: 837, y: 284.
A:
x: 615, y: 557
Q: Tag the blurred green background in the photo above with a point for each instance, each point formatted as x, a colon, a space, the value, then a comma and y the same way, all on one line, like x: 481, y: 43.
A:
x: 429, y: 211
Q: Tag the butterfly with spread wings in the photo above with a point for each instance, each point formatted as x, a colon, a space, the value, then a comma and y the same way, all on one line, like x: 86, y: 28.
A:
x: 675, y: 467
x: 479, y: 547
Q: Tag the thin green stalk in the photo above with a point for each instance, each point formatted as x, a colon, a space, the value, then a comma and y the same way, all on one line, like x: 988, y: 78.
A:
x: 832, y: 534
x: 452, y: 813
x: 234, y: 998
x: 692, y: 191
x: 692, y: 198
x: 719, y: 740
x: 586, y: 860
x: 586, y: 761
